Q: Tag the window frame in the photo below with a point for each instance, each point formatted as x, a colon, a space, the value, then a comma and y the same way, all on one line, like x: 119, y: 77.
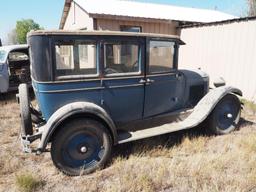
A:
x: 140, y: 62
x: 175, y: 55
x: 75, y: 42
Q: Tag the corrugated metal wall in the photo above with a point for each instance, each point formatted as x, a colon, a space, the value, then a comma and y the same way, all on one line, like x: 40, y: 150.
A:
x: 223, y: 50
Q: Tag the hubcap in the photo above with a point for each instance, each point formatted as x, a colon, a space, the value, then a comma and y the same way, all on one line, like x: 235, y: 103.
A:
x: 82, y: 150
x: 227, y: 113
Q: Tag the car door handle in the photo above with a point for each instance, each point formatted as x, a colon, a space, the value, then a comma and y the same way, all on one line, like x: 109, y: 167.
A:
x: 150, y: 81
x: 142, y: 81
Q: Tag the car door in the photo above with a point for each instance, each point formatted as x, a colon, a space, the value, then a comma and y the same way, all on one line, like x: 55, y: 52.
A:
x: 164, y: 83
x: 123, y: 75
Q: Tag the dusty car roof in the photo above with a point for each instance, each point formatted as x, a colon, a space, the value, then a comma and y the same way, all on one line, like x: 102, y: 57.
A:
x: 110, y: 33
x: 9, y: 48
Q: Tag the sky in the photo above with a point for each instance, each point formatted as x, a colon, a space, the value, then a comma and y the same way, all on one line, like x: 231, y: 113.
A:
x: 48, y: 13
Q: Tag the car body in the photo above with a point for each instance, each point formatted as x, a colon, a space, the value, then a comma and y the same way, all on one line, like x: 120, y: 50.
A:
x: 98, y: 89
x: 14, y: 67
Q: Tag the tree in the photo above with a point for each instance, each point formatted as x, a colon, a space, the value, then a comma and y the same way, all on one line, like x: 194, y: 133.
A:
x: 251, y: 7
x: 23, y: 27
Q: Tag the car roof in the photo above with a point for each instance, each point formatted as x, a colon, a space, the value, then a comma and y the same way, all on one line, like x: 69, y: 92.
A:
x: 104, y: 33
x: 9, y: 48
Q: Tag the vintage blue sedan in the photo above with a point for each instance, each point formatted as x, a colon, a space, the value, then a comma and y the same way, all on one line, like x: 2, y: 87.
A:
x: 98, y: 89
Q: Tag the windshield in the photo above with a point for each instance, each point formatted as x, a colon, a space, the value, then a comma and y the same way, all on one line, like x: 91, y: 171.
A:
x: 2, y: 56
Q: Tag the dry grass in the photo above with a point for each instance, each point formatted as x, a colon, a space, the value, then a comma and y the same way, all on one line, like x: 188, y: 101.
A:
x: 183, y: 161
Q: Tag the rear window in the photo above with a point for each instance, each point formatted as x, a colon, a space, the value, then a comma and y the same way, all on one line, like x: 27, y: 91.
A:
x: 76, y: 59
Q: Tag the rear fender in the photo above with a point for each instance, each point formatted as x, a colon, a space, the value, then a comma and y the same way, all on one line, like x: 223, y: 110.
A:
x: 206, y: 105
x: 70, y: 110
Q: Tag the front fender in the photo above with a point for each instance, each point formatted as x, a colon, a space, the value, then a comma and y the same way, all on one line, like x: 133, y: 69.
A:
x: 206, y: 105
x: 72, y: 109
x: 4, y: 83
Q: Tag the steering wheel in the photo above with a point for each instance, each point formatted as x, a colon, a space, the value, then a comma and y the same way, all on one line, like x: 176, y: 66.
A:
x: 110, y: 71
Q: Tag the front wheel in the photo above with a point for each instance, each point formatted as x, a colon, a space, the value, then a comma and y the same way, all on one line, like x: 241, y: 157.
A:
x: 81, y: 146
x: 226, y: 115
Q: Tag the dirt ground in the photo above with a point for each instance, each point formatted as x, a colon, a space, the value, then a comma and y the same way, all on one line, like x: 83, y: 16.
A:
x: 183, y: 161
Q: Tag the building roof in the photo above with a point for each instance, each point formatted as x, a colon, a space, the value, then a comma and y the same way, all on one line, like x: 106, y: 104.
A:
x: 146, y: 10
x: 236, y: 20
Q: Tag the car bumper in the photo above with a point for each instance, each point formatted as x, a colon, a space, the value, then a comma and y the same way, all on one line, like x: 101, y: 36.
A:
x: 26, y: 142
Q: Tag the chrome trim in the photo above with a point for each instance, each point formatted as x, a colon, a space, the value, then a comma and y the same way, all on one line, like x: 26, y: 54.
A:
x: 123, y: 74
x: 66, y: 81
x: 72, y: 90
x: 164, y: 74
x: 88, y: 89
x: 87, y: 80
x: 118, y: 78
x: 67, y: 77
x: 124, y: 86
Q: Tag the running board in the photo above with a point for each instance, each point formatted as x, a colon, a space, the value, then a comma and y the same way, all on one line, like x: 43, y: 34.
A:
x: 126, y: 137
x: 199, y: 114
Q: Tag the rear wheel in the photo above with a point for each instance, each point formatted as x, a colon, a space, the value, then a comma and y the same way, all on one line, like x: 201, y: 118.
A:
x: 226, y: 115
x: 81, y: 147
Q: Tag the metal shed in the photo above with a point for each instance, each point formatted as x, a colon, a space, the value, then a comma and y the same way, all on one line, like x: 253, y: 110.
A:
x: 223, y: 49
x: 116, y: 15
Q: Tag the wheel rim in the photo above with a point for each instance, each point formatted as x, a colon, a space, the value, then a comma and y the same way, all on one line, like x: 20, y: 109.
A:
x: 227, y: 114
x: 82, y: 150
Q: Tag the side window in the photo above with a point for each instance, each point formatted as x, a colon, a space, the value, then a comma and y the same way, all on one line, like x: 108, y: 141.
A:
x: 64, y: 57
x: 76, y: 59
x: 121, y: 58
x: 161, y: 56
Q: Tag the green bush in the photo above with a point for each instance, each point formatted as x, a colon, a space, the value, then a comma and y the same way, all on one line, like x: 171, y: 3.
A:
x: 27, y: 183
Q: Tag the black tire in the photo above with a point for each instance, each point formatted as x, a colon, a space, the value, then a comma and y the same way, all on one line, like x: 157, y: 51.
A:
x: 74, y: 137
x: 226, y: 115
x: 25, y: 115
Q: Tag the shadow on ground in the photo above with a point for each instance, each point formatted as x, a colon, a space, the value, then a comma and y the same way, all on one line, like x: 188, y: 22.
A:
x: 168, y: 140
x: 11, y: 96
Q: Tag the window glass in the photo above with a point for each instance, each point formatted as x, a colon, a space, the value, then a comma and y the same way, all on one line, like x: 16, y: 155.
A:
x: 17, y: 56
x: 87, y: 55
x: 65, y: 57
x: 131, y: 28
x: 121, y: 58
x: 76, y: 59
x: 161, y: 56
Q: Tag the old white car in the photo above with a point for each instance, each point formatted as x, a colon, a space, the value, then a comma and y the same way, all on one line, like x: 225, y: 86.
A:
x: 14, y: 67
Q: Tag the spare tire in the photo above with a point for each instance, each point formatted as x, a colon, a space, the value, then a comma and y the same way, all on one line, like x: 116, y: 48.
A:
x: 25, y: 115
